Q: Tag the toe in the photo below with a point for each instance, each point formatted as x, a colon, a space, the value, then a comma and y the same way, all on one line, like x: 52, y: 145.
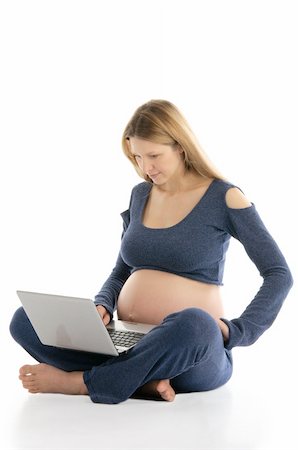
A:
x: 27, y: 377
x: 28, y: 384
x: 25, y: 370
x: 170, y: 396
x: 33, y: 391
x: 166, y: 391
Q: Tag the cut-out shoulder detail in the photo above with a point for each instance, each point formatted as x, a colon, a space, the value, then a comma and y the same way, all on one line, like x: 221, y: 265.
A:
x: 235, y: 199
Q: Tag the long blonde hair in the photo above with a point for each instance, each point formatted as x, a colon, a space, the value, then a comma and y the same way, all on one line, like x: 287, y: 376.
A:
x: 161, y: 122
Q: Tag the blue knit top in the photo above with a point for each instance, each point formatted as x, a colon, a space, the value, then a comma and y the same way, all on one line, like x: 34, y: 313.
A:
x: 196, y: 248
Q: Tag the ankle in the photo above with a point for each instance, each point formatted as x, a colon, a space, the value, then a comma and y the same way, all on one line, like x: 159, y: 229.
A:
x: 78, y: 380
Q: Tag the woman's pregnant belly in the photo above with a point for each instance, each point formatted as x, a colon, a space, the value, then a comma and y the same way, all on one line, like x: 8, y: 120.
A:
x: 148, y: 296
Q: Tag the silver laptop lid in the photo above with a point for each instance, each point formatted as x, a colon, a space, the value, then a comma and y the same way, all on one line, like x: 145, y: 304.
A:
x: 67, y: 322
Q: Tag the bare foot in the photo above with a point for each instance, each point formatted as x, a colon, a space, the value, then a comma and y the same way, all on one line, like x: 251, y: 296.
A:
x: 45, y: 378
x: 159, y: 389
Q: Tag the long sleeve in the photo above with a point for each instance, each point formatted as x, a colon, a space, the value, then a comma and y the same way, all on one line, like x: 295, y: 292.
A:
x: 246, y: 226
x: 108, y: 294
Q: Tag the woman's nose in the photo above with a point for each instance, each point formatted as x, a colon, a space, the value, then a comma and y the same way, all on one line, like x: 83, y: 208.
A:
x: 147, y: 166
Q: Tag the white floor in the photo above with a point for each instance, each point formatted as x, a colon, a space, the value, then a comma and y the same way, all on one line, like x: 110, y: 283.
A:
x: 255, y: 410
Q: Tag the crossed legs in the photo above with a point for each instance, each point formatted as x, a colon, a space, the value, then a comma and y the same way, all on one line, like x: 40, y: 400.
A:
x: 184, y: 354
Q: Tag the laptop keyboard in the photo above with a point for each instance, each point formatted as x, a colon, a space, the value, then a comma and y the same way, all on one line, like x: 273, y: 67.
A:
x: 125, y: 338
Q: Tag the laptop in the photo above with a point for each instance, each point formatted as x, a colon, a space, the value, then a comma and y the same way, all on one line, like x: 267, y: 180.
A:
x: 74, y: 323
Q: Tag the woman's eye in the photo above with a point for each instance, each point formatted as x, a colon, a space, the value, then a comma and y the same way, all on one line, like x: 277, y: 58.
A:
x: 150, y: 156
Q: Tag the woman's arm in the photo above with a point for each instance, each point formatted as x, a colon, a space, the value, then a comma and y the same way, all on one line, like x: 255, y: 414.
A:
x: 108, y: 295
x: 245, y: 224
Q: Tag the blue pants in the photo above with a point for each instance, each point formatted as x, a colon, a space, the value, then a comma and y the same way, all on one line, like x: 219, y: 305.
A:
x: 187, y: 348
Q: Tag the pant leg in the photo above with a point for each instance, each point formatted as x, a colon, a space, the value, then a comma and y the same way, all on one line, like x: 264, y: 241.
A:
x: 210, y: 374
x: 186, y: 348
x: 68, y: 360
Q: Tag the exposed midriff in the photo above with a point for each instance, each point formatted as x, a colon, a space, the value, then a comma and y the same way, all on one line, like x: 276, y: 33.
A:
x: 148, y: 296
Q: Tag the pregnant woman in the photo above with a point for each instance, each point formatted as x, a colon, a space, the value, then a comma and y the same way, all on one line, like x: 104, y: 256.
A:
x: 169, y: 272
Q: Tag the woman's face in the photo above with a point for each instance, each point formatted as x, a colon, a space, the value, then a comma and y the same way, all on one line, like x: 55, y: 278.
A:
x: 160, y: 162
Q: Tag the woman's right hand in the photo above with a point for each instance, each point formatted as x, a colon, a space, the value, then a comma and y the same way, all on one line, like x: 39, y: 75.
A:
x: 104, y: 314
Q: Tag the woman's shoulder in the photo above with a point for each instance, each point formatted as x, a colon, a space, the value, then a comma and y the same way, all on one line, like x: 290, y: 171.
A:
x: 143, y: 185
x: 233, y: 194
x: 141, y: 188
x: 224, y: 184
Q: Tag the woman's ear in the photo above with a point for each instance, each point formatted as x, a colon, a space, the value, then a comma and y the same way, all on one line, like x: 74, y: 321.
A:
x: 128, y: 143
x: 178, y: 147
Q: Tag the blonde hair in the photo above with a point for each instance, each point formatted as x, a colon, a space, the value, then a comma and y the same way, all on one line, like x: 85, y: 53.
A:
x: 161, y: 122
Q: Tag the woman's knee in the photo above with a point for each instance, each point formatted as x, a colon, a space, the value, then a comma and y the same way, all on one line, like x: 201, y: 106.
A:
x: 18, y: 325
x: 196, y: 323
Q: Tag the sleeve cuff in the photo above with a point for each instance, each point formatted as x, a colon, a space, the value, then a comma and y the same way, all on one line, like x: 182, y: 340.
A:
x: 108, y: 307
x: 235, y: 335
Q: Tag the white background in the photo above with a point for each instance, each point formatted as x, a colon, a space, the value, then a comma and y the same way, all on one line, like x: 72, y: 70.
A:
x: 72, y: 74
